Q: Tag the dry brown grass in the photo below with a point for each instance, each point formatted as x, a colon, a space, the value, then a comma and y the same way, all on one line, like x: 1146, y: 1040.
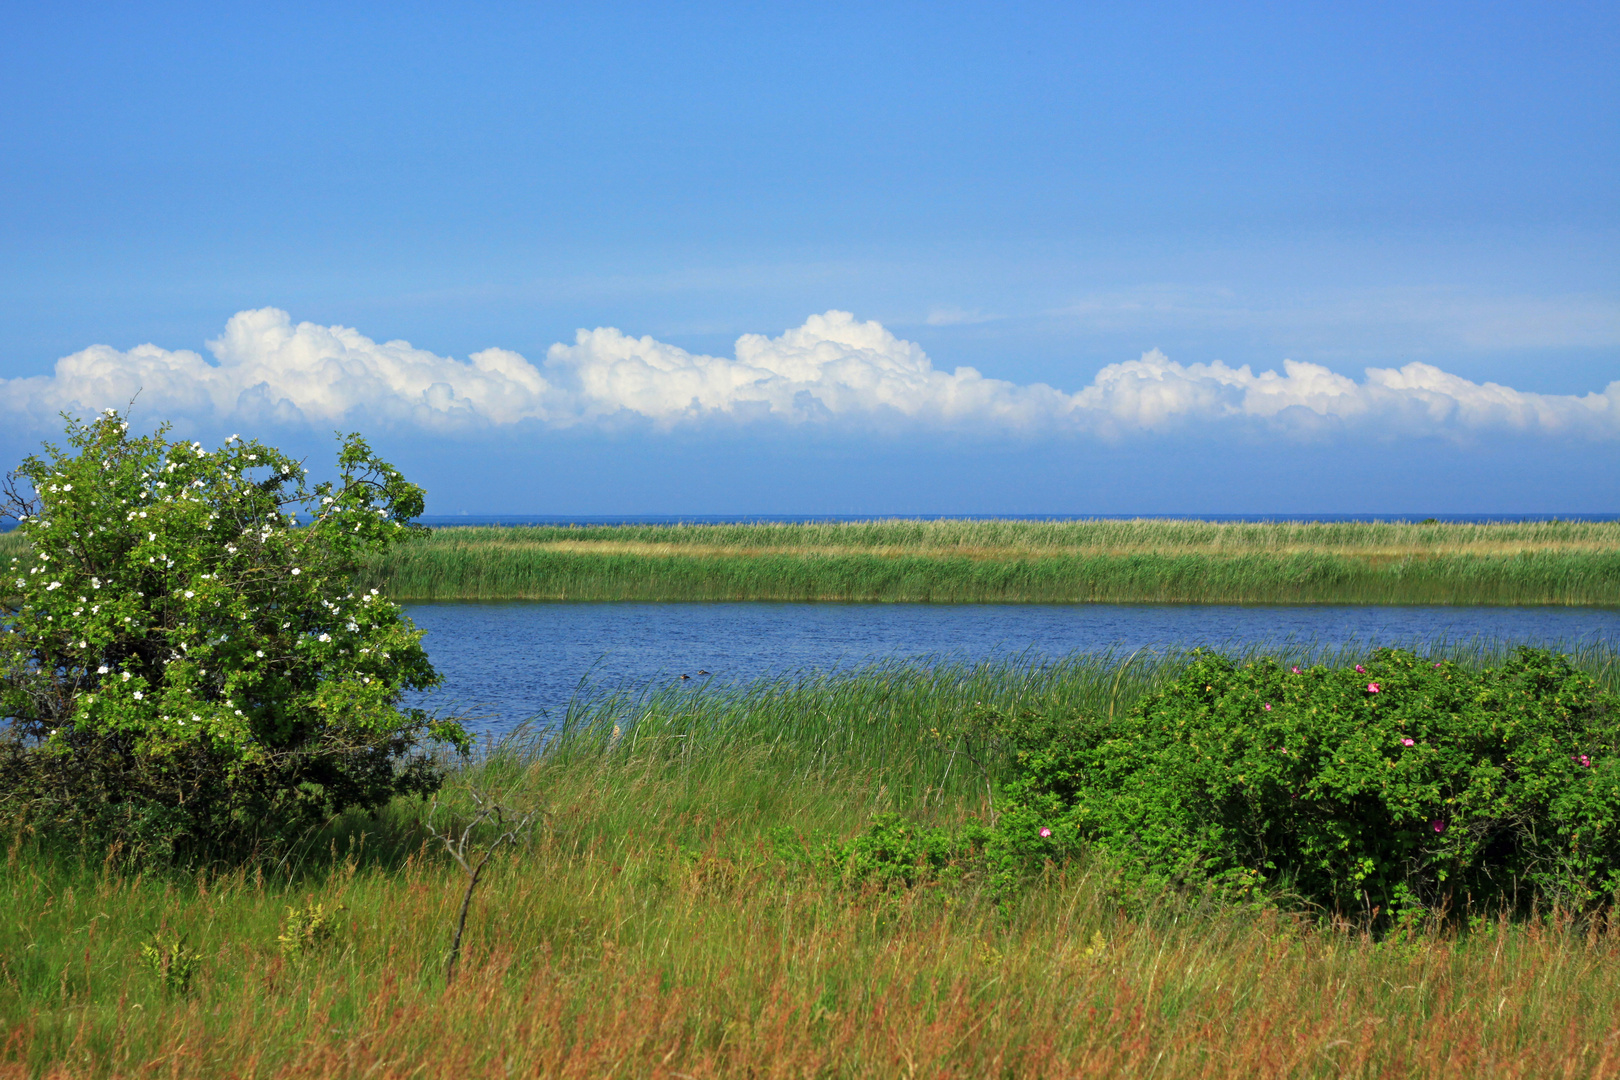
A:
x: 732, y: 974
x: 651, y: 928
x: 684, y: 948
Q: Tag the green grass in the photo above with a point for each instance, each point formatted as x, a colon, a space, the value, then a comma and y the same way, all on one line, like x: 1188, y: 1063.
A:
x: 11, y: 546
x: 1093, y: 535
x: 647, y: 928
x: 1019, y: 561
x: 1149, y: 561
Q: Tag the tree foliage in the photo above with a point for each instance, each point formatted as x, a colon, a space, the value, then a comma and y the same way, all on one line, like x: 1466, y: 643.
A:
x: 188, y: 665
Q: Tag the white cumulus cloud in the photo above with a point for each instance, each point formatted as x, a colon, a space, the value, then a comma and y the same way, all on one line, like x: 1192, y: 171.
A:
x: 834, y: 368
x: 267, y: 367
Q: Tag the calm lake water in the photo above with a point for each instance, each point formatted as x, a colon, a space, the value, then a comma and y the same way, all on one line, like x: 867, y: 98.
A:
x: 513, y: 661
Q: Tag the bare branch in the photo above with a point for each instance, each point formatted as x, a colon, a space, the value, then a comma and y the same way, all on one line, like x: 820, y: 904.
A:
x: 472, y: 857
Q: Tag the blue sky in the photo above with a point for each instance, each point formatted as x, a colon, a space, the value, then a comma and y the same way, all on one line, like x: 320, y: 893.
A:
x: 1107, y: 214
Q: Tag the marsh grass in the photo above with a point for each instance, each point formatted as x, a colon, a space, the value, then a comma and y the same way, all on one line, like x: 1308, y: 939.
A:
x: 1011, y: 561
x: 1146, y: 560
x: 1094, y: 536
x: 11, y: 546
x: 648, y: 928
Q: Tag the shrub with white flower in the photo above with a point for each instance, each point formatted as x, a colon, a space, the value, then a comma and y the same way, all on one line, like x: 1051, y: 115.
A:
x: 214, y: 606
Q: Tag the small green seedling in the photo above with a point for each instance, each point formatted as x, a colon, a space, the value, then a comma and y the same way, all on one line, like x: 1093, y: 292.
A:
x: 309, y: 928
x: 172, y: 960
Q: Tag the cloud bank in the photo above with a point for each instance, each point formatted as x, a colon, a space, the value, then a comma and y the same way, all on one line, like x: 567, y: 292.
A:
x: 833, y: 369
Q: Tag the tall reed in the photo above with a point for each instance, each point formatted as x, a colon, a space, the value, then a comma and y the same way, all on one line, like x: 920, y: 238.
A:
x: 12, y: 546
x: 1092, y: 536
x: 1152, y: 561
x: 1012, y: 561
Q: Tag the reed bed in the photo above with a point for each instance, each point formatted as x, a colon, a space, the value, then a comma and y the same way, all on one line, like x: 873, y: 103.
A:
x: 12, y: 546
x: 1146, y: 561
x: 951, y: 561
x: 647, y: 928
x: 1093, y: 536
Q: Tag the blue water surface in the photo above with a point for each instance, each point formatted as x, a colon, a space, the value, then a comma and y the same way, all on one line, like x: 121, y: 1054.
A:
x: 509, y: 662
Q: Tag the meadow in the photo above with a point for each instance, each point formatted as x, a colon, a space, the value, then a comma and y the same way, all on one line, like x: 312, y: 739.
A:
x: 651, y: 925
x: 1150, y: 561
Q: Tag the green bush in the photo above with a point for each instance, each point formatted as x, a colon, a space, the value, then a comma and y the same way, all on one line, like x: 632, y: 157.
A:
x: 309, y: 928
x: 892, y: 853
x: 189, y: 668
x: 172, y: 961
x: 1391, y: 786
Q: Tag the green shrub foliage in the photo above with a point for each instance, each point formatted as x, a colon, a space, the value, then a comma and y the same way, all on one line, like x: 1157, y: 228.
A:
x: 1390, y: 786
x: 891, y: 854
x: 188, y: 666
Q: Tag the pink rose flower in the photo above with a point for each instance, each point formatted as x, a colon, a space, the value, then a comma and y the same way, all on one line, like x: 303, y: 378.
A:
x: 1045, y: 832
x: 1372, y: 688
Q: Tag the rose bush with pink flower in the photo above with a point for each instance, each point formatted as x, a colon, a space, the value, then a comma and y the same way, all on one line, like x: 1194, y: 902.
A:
x: 1430, y: 785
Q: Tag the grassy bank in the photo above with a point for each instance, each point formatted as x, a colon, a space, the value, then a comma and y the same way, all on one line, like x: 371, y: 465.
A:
x: 648, y: 928
x: 1020, y: 561
x: 11, y: 546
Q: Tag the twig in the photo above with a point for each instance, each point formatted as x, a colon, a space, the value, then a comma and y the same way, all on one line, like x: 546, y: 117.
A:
x: 508, y: 827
